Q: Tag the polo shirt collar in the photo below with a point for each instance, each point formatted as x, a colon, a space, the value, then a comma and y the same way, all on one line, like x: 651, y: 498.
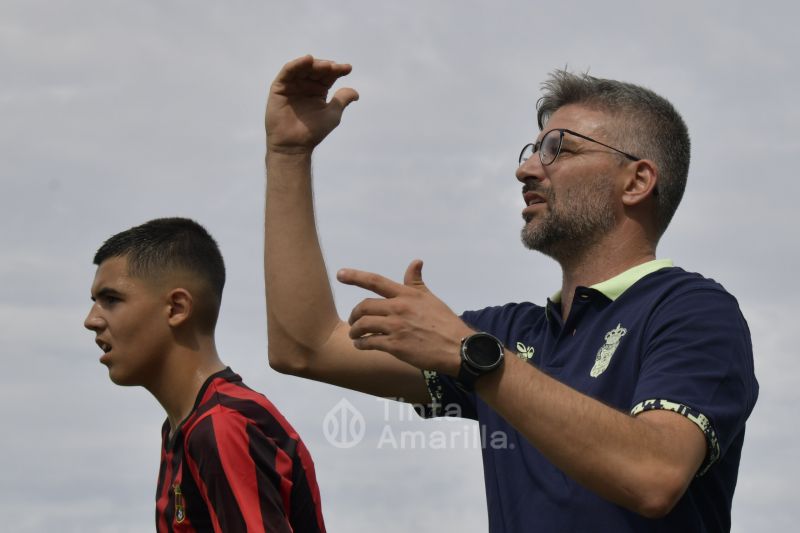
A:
x: 614, y: 287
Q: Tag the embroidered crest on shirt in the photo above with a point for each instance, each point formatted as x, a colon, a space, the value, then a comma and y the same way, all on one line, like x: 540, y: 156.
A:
x: 180, y: 508
x: 524, y: 352
x: 606, y: 351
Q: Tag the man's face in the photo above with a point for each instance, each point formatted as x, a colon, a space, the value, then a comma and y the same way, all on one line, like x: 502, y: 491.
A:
x: 129, y: 318
x: 570, y: 203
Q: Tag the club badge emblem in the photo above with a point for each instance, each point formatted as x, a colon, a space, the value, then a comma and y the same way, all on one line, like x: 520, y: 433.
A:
x: 180, y: 508
x: 606, y: 351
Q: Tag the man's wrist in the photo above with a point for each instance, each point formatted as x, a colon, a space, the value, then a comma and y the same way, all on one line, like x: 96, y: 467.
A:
x: 289, y: 151
x: 283, y: 170
x: 453, y: 366
x: 454, y: 361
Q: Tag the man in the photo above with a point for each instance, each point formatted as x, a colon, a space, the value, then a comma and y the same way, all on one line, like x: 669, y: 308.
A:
x: 622, y: 402
x: 230, y: 461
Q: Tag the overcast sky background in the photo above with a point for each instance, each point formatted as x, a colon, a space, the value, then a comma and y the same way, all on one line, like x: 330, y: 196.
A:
x: 113, y: 113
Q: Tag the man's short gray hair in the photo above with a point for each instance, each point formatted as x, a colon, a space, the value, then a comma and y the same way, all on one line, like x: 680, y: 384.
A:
x: 646, y: 125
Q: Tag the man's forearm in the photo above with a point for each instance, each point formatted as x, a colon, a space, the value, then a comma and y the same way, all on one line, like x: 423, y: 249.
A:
x: 300, y: 307
x: 642, y: 463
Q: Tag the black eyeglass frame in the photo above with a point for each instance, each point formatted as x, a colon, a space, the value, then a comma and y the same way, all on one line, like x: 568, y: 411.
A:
x: 537, y: 146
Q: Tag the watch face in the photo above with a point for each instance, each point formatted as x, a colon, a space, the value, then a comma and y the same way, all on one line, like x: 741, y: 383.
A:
x: 483, y: 350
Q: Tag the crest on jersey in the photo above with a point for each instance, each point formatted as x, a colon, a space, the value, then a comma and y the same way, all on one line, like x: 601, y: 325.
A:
x: 606, y: 351
x: 180, y: 508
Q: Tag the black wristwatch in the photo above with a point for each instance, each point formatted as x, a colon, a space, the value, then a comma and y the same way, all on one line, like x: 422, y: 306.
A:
x: 481, y: 353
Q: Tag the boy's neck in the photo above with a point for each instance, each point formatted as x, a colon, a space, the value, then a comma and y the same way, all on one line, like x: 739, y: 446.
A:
x: 182, y: 376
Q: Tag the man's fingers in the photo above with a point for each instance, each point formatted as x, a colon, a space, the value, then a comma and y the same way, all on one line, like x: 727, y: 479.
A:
x: 298, y: 67
x: 333, y: 71
x: 373, y: 342
x: 369, y: 281
x: 369, y: 307
x: 322, y: 71
x: 369, y: 325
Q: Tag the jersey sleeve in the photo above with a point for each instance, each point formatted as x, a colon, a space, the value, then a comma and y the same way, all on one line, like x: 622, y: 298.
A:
x: 698, y: 362
x: 447, y: 398
x: 242, y: 475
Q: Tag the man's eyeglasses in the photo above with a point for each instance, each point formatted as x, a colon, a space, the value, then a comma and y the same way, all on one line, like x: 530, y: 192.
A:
x: 550, y: 146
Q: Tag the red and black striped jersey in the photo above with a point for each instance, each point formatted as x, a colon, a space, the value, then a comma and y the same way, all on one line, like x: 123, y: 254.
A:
x: 235, y: 464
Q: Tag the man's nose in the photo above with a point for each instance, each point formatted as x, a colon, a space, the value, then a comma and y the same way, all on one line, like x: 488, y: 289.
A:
x: 530, y: 169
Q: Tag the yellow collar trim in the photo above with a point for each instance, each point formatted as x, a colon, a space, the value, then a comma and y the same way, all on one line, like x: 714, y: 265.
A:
x: 614, y: 287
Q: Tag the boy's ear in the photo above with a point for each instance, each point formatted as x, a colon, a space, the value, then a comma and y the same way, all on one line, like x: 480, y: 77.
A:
x: 181, y: 305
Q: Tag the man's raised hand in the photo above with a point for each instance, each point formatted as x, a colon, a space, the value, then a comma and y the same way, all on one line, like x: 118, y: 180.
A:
x: 407, y: 320
x: 299, y: 115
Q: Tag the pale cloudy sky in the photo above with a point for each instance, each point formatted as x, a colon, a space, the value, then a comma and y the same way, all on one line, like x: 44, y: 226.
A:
x: 113, y: 112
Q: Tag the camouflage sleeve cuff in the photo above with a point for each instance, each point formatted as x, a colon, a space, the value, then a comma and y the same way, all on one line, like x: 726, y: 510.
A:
x: 697, y: 417
x: 436, y: 392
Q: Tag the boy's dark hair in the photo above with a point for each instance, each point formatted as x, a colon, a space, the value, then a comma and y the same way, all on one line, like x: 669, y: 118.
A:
x: 167, y: 245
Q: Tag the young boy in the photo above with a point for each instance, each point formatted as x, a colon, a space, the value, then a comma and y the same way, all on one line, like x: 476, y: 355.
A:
x: 229, y: 460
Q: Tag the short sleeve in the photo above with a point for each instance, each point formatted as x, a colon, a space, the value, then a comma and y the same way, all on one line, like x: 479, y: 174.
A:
x: 698, y: 362
x: 447, y: 398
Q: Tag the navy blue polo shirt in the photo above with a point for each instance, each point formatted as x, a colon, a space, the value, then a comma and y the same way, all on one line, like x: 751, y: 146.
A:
x: 654, y: 337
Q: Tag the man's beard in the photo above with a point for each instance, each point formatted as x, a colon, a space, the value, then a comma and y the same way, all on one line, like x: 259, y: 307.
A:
x: 573, y: 225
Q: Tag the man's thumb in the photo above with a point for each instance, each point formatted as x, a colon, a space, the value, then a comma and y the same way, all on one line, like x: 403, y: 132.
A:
x: 344, y: 97
x: 413, y: 276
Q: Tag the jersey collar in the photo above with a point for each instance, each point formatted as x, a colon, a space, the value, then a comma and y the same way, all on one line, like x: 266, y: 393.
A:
x: 614, y: 287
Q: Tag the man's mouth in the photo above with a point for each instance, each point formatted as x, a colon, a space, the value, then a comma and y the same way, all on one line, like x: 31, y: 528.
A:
x: 532, y: 198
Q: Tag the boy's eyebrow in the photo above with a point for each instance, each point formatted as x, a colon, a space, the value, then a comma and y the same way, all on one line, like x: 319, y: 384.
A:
x: 105, y: 291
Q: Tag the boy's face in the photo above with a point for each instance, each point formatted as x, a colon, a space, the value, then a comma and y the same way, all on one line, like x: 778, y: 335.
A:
x: 130, y: 319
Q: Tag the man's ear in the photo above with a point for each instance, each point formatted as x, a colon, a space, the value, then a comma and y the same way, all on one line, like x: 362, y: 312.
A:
x: 641, y: 183
x: 181, y: 306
